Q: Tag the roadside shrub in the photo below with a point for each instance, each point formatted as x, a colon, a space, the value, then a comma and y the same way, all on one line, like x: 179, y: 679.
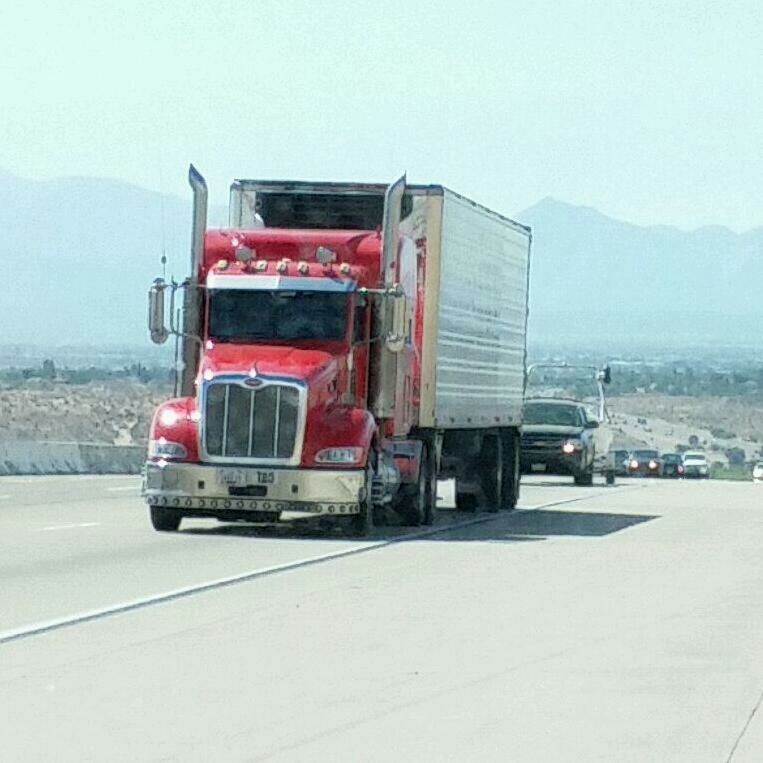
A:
x: 736, y: 456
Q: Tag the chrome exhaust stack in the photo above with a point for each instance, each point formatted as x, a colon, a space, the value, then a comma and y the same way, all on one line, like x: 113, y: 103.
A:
x: 382, y: 392
x: 192, y: 295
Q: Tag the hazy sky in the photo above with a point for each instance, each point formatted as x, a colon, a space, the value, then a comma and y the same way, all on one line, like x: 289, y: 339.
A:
x: 649, y: 111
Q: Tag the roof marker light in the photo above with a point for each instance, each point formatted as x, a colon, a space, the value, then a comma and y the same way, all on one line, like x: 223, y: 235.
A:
x: 344, y: 269
x: 281, y: 267
x: 261, y: 265
x: 245, y: 254
x: 222, y: 264
x: 303, y: 268
x: 324, y: 255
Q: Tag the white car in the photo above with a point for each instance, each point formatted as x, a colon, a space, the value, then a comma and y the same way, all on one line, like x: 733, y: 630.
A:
x: 757, y: 472
x: 695, y: 465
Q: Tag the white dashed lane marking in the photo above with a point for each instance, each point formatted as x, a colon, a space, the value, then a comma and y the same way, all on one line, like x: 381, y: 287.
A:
x: 70, y: 527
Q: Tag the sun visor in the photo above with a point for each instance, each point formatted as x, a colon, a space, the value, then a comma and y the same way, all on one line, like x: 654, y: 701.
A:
x: 278, y: 283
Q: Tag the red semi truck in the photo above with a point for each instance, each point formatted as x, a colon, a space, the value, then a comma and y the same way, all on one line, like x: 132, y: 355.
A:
x: 343, y: 345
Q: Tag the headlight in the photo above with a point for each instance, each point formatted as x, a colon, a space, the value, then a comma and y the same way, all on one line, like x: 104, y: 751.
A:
x: 652, y: 464
x: 339, y: 456
x: 634, y: 464
x: 570, y: 447
x: 169, y: 417
x: 163, y: 448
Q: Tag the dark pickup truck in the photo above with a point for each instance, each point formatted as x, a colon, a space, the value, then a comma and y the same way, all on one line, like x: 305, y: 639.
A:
x: 557, y: 438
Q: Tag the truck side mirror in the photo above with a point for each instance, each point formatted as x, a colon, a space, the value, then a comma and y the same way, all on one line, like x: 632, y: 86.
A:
x: 156, y: 327
x: 397, y: 312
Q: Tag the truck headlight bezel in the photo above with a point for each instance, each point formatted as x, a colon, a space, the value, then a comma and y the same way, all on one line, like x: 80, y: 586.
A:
x: 343, y: 455
x: 168, y: 450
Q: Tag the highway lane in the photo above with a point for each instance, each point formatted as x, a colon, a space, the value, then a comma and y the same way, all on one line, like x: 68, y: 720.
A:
x: 624, y: 626
x: 72, y: 544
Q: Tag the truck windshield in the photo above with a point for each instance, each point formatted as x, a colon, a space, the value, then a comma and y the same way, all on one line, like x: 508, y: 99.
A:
x: 248, y: 315
x: 552, y: 414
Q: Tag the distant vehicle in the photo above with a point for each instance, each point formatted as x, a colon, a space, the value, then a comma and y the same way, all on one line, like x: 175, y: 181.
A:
x: 672, y: 465
x: 557, y: 438
x: 645, y: 463
x: 757, y: 472
x: 620, y: 458
x: 695, y: 465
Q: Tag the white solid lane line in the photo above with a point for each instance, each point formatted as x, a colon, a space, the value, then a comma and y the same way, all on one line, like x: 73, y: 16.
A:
x: 35, y: 629
x: 70, y: 527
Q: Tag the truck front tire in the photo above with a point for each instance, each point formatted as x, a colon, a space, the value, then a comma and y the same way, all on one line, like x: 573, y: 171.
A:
x: 165, y: 520
x: 585, y: 479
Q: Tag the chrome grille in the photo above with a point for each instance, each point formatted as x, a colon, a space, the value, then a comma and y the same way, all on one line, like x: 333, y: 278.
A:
x: 261, y: 423
x: 539, y: 442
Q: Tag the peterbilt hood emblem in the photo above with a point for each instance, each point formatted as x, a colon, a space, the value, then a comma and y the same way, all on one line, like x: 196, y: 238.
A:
x: 252, y: 382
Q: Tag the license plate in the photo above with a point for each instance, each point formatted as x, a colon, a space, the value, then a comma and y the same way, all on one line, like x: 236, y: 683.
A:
x: 538, y: 467
x: 233, y: 477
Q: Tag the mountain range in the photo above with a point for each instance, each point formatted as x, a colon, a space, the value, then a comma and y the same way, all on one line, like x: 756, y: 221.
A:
x: 80, y: 253
x: 596, y: 280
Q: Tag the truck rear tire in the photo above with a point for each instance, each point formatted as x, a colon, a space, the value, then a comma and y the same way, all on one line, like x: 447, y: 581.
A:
x: 430, y: 503
x: 585, y: 479
x: 418, y: 501
x: 165, y: 520
x: 362, y: 523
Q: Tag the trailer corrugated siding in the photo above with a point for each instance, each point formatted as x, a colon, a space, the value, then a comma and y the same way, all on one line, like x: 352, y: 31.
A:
x: 482, y: 317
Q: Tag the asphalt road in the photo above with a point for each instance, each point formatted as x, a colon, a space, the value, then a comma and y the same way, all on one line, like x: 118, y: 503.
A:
x: 613, y: 624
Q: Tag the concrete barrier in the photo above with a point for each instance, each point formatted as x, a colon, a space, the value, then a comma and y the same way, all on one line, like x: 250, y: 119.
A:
x: 70, y: 458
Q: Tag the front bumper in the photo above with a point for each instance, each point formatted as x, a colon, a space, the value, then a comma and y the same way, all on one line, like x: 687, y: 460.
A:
x: 268, y: 495
x: 552, y: 463
x: 644, y: 471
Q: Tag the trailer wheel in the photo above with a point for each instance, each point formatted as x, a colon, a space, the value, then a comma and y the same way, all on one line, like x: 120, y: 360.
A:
x: 585, y: 479
x: 511, y: 469
x: 491, y: 472
x: 165, y: 520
